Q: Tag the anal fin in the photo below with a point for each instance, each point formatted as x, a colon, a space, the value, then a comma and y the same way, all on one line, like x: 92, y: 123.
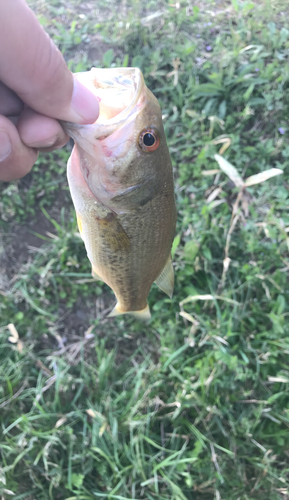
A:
x: 165, y: 279
x: 143, y: 314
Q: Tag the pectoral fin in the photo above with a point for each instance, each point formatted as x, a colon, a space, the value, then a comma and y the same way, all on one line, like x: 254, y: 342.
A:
x: 79, y: 224
x: 165, y: 280
x: 143, y: 314
x: 95, y: 275
x: 112, y: 233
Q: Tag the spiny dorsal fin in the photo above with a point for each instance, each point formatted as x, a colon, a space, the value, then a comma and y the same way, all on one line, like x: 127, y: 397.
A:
x: 143, y: 314
x: 165, y: 280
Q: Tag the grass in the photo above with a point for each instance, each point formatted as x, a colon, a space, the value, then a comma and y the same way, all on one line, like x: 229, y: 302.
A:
x: 196, y: 404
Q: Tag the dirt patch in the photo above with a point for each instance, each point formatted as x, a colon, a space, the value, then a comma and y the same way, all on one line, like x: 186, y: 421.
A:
x: 17, y: 245
x: 76, y: 321
x: 18, y: 240
x: 96, y: 50
x: 21, y: 240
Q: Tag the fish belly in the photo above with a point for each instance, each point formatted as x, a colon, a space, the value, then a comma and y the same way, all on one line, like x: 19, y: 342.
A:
x: 127, y: 251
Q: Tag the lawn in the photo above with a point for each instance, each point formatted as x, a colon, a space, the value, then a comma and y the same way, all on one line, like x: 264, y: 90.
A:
x: 194, y: 405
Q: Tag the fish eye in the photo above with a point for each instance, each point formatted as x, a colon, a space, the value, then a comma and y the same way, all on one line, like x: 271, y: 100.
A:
x: 149, y: 139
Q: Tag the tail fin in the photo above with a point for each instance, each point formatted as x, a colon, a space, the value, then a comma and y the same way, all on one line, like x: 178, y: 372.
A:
x: 143, y: 314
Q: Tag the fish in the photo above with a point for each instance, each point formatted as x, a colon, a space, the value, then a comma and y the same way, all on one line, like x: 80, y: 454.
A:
x: 121, y: 182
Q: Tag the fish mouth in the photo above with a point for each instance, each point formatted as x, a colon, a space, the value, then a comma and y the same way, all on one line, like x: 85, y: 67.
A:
x: 119, y: 92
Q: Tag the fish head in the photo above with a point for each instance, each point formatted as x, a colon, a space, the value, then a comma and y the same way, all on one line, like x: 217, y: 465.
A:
x: 123, y: 156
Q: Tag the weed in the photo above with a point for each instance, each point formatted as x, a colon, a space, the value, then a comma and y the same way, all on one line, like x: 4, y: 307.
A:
x: 194, y: 405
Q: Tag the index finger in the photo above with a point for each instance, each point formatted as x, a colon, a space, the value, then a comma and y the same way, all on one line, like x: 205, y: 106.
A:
x: 32, y: 66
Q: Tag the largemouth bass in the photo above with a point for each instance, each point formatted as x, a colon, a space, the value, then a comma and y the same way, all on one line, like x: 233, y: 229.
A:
x: 121, y: 182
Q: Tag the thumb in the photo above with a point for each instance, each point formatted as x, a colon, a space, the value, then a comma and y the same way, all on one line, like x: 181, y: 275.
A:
x: 32, y: 66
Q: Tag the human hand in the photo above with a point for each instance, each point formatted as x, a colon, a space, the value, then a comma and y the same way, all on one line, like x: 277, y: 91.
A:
x: 36, y: 90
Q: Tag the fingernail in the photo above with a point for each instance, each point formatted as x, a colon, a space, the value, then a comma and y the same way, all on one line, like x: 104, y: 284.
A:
x: 44, y: 144
x: 84, y: 104
x: 5, y: 145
